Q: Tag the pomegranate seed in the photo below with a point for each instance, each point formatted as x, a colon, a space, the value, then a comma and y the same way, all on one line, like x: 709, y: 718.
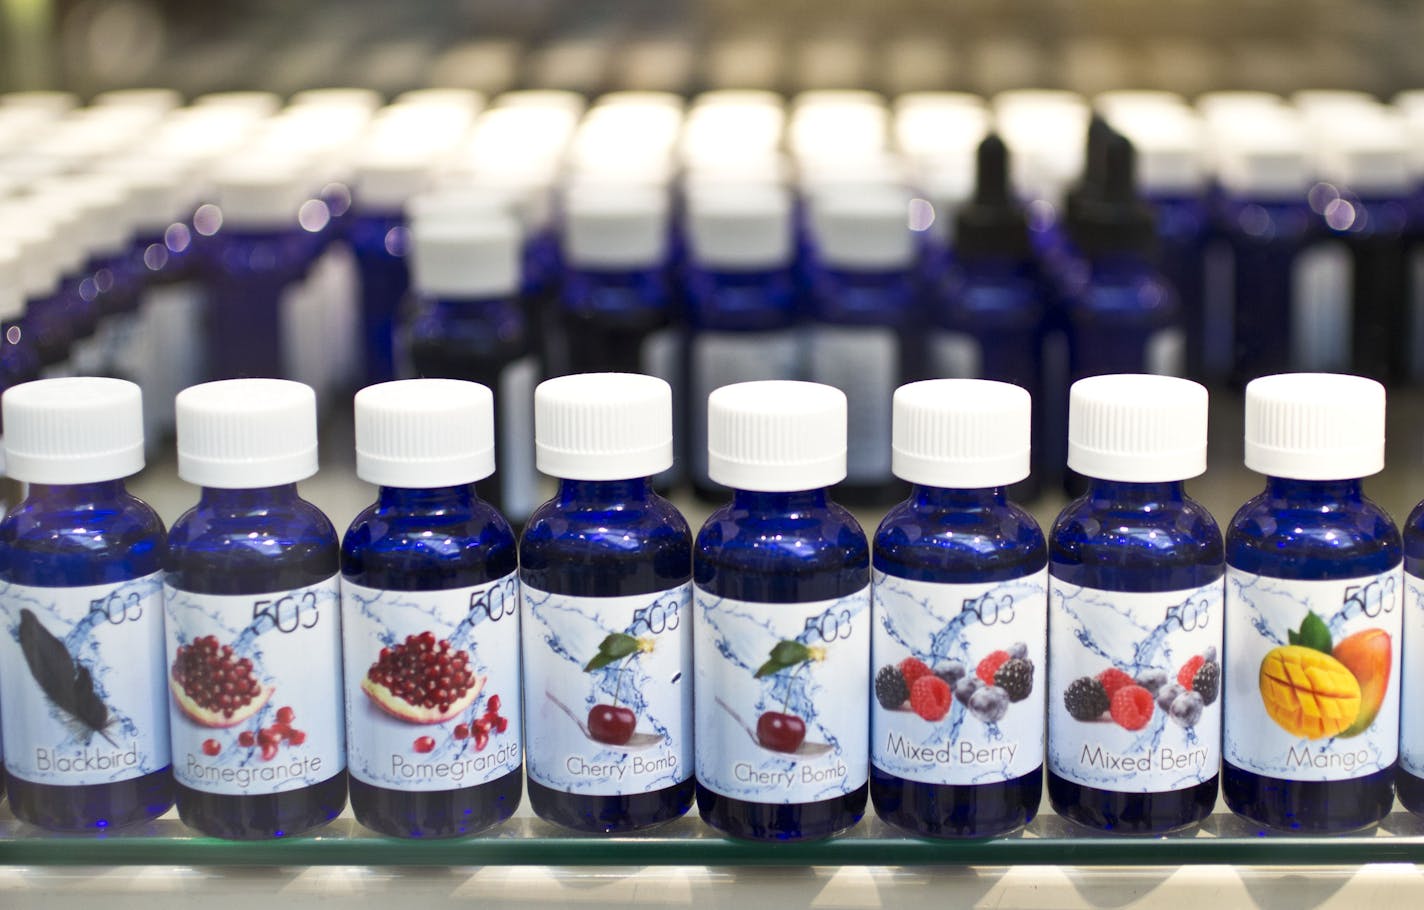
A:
x: 246, y: 740
x: 266, y: 738
x: 483, y: 725
x: 211, y: 747
x: 286, y: 716
x: 481, y: 740
x: 269, y: 752
x: 425, y: 744
x: 492, y: 705
x: 501, y: 724
x: 297, y: 737
x: 462, y: 731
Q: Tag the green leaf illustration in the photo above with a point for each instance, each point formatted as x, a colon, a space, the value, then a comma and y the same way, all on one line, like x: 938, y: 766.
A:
x: 1313, y: 634
x: 785, y: 654
x: 613, y: 648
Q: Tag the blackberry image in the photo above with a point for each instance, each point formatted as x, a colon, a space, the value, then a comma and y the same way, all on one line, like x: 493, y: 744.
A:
x: 1207, y: 682
x: 890, y: 688
x: 1085, y: 699
x: 1015, y: 677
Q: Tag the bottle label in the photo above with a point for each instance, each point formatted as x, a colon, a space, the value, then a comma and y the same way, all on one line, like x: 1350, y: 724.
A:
x: 1314, y: 689
x: 980, y: 719
x: 432, y: 685
x: 956, y: 355
x: 782, y: 697
x: 514, y: 405
x: 1321, y: 307
x: 722, y: 358
x: 864, y: 362
x: 82, y: 682
x: 281, y: 727
x: 1411, y: 691
x: 610, y: 691
x: 1135, y: 685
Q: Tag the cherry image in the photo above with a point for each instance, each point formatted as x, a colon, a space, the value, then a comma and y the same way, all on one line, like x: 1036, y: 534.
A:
x: 425, y: 744
x: 612, y: 724
x: 780, y: 732
x: 211, y: 747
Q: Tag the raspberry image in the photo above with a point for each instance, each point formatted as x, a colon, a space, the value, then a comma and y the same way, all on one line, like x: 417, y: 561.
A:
x: 1189, y: 671
x: 966, y: 687
x: 989, y: 704
x: 1132, y: 707
x: 930, y: 698
x: 912, y: 668
x: 1207, y: 682
x: 1086, y: 699
x: 1015, y: 677
x: 990, y: 665
x: 1113, y: 679
x: 890, y: 688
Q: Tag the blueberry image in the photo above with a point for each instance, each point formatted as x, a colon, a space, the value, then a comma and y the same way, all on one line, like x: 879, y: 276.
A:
x: 1167, y: 695
x: 1018, y: 650
x: 1186, y: 710
x: 1209, y: 655
x: 964, y: 689
x: 1152, y: 680
x: 951, y: 673
x: 989, y: 704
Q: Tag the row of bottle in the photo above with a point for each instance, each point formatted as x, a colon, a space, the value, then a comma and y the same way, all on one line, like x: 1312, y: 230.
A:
x: 649, y: 239
x: 778, y: 667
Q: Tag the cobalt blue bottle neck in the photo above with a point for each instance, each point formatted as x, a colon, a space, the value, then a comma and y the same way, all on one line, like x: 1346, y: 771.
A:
x: 583, y: 494
x: 245, y: 501
x: 62, y: 496
x: 961, y: 500
x: 1118, y: 494
x: 1284, y: 492
x: 428, y: 501
x: 1120, y: 267
x: 762, y: 503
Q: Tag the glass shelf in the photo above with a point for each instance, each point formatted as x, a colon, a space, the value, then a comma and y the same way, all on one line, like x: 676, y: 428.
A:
x: 527, y: 841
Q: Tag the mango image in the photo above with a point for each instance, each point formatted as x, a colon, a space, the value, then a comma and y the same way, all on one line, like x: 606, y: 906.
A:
x: 1308, y: 692
x: 1366, y: 654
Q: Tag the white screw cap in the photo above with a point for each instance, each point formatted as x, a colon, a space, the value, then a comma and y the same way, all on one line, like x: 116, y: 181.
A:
x: 776, y: 436
x: 961, y: 434
x: 742, y: 227
x: 863, y: 229
x: 466, y: 258
x: 603, y: 426
x: 1137, y: 428
x: 81, y: 429
x: 424, y: 433
x: 615, y: 226
x: 1315, y: 426
x: 241, y: 434
x: 260, y: 194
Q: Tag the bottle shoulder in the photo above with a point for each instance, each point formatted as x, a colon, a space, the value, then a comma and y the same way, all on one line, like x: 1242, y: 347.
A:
x: 959, y: 546
x: 740, y: 540
x: 600, y: 551
x: 412, y: 551
x: 121, y: 539
x: 1343, y: 540
x: 1089, y: 538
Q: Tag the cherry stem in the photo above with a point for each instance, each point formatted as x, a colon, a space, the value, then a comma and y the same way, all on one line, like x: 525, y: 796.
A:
x: 618, y: 688
x: 791, y: 683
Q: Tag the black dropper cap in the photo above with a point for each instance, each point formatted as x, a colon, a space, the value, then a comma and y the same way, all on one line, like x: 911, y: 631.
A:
x: 992, y: 223
x: 1090, y: 184
x: 1115, y: 219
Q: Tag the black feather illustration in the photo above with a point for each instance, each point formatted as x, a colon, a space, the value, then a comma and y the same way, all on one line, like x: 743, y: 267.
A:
x: 64, y: 680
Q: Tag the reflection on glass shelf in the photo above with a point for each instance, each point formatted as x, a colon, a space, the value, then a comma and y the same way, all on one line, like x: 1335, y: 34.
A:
x: 525, y: 841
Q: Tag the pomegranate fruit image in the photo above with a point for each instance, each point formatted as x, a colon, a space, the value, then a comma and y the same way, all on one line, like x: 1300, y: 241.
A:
x: 780, y: 732
x: 213, y: 687
x: 612, y: 724
x: 422, y: 680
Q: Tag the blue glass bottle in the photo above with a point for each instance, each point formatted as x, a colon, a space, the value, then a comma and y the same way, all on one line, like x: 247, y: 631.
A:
x: 968, y: 546
x: 989, y: 312
x: 380, y: 241
x: 1409, y: 780
x: 743, y: 304
x: 1135, y: 598
x: 797, y: 566
x: 259, y: 251
x: 470, y: 321
x: 79, y: 528
x: 425, y: 442
x: 605, y: 545
x: 247, y: 442
x: 864, y: 310
x: 1312, y: 545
